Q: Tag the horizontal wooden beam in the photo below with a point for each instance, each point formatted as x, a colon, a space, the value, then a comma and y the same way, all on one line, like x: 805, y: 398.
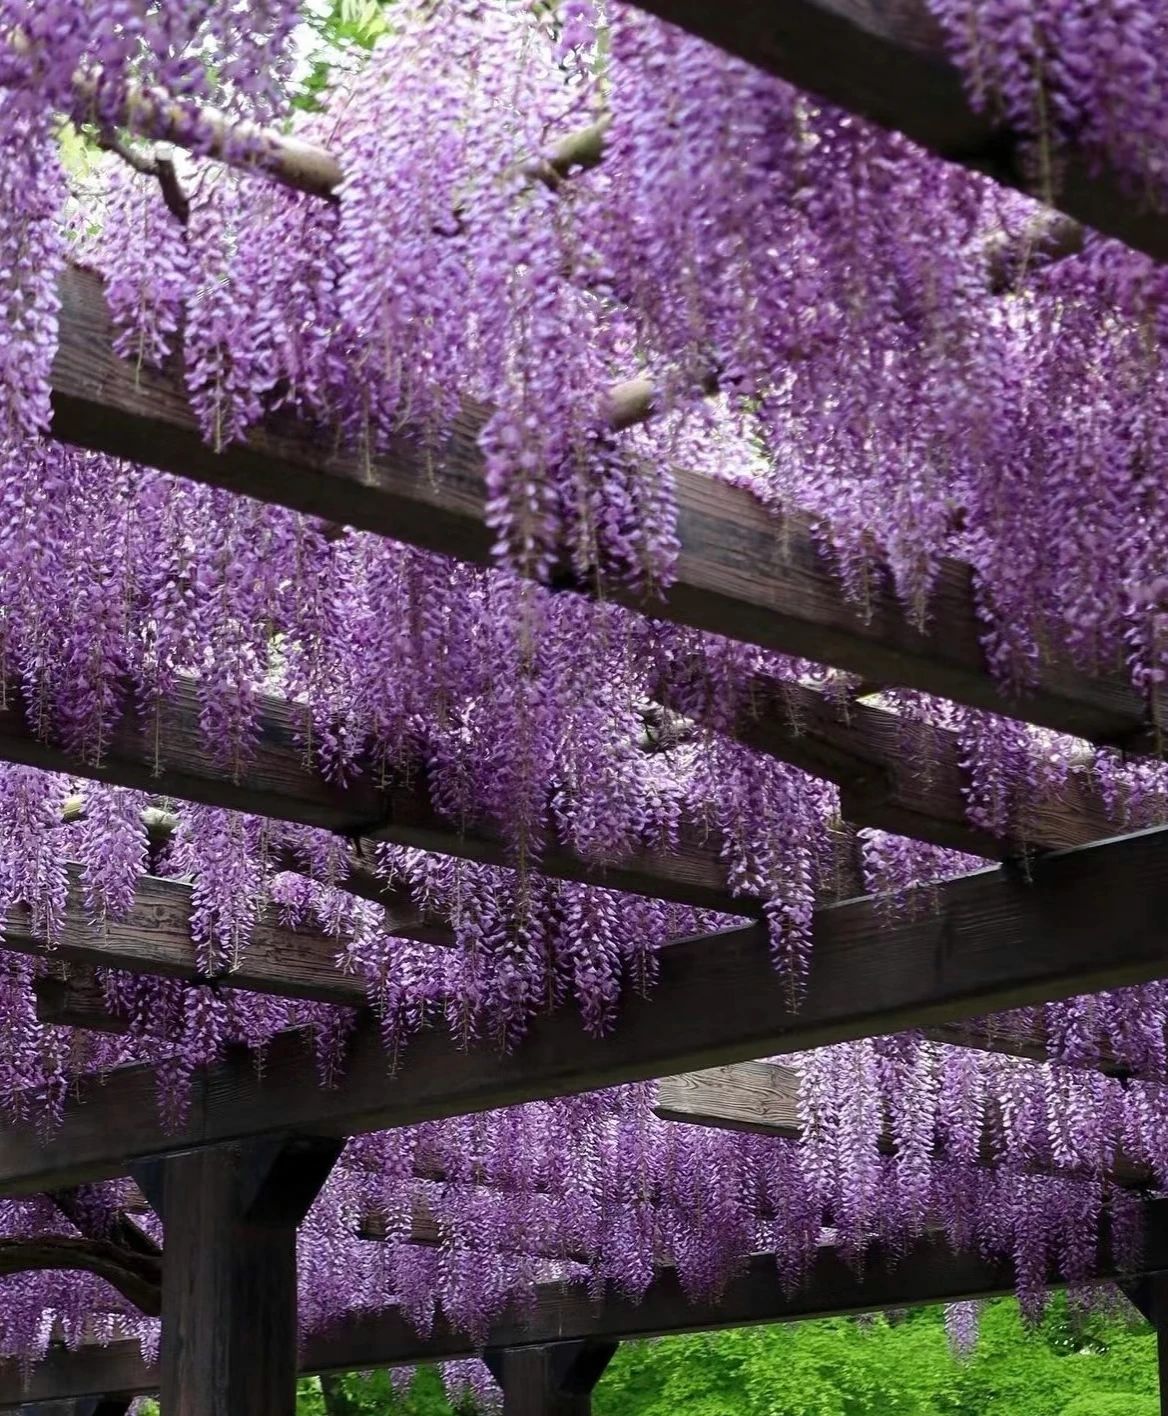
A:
x: 928, y: 1273
x: 737, y: 575
x: 427, y: 1230
x: 1085, y: 920
x: 885, y: 60
x: 299, y: 964
x: 155, y: 938
x: 759, y: 1097
x: 763, y: 1098
x: 279, y: 783
x: 907, y: 777
x: 73, y: 997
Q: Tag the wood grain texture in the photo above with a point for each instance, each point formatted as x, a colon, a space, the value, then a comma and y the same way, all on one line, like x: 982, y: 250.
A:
x: 907, y: 777
x: 1086, y: 920
x: 229, y: 1314
x: 885, y: 60
x: 928, y: 1273
x: 552, y: 1380
x: 763, y: 1098
x: 279, y: 783
x: 741, y: 572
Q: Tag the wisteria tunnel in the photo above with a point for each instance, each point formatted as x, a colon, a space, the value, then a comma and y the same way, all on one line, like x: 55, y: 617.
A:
x: 583, y: 641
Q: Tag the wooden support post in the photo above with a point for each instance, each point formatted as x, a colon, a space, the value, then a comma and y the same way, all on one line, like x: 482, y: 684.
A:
x: 1162, y: 1356
x: 1149, y: 1294
x: 555, y: 1380
x: 230, y: 1213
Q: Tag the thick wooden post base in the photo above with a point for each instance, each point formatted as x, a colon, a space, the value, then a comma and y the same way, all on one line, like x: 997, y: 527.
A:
x: 556, y: 1380
x: 230, y: 1215
x: 1150, y: 1295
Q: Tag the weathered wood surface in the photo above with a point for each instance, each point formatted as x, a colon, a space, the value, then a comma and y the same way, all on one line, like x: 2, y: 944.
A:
x: 155, y: 938
x: 908, y: 777
x: 740, y: 573
x: 229, y: 1314
x: 279, y: 783
x: 555, y: 1379
x: 928, y: 1273
x: 1088, y: 919
x: 763, y: 1098
x: 885, y: 60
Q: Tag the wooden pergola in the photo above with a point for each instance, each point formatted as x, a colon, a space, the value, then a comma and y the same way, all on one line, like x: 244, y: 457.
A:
x: 234, y: 1181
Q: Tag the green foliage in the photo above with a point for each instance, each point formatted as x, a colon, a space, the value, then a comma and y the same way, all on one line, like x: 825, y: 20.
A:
x: 372, y: 1394
x: 342, y: 31
x: 1113, y: 1404
x: 1068, y: 1366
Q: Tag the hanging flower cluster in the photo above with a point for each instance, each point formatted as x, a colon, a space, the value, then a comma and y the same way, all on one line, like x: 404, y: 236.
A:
x: 902, y: 1141
x: 816, y: 308
x: 1068, y: 78
x: 834, y: 283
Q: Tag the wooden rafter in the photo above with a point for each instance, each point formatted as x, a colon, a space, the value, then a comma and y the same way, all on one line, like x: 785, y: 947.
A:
x: 907, y: 777
x: 278, y: 783
x: 762, y: 585
x: 894, y: 774
x: 993, y: 941
x: 885, y: 60
x: 928, y: 1273
x: 740, y: 572
x: 763, y: 1098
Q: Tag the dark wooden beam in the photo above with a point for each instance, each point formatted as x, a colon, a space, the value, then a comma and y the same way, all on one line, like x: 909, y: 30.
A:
x: 280, y: 783
x: 885, y: 60
x: 929, y: 1272
x: 763, y: 1098
x: 907, y: 777
x: 1149, y: 1294
x: 78, y: 1374
x: 898, y: 776
x: 552, y: 1380
x: 1086, y: 920
x: 229, y: 1315
x: 73, y: 997
x: 740, y: 573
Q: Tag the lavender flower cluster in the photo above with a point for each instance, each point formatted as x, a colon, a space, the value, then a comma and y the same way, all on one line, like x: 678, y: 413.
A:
x: 835, y: 287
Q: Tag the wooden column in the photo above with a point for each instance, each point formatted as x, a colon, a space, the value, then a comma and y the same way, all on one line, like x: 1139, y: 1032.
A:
x: 1150, y: 1295
x: 555, y: 1380
x: 230, y: 1215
